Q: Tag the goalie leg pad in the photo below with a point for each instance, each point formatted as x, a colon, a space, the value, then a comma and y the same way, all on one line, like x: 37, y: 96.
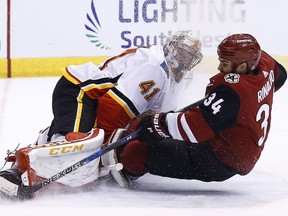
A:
x: 36, y: 163
x: 110, y: 160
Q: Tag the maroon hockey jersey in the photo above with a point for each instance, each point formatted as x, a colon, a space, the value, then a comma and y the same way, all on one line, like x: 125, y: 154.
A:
x: 235, y: 117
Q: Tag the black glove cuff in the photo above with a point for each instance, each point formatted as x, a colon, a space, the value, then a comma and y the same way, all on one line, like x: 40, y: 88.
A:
x: 159, y: 127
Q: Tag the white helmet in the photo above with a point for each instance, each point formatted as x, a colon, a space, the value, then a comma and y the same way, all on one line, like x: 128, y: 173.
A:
x: 182, y: 52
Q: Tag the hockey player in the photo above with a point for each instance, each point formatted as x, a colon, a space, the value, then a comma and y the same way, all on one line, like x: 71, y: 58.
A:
x: 107, y: 97
x: 222, y: 137
x: 124, y: 86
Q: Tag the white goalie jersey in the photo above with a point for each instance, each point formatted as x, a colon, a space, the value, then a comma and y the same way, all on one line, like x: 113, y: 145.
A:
x: 140, y: 74
x: 136, y: 81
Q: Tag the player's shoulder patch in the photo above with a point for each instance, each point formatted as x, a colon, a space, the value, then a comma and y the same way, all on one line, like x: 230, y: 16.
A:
x: 232, y: 78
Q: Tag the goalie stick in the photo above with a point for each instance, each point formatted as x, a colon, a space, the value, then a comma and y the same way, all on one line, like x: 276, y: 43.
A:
x: 193, y: 105
x: 24, y: 192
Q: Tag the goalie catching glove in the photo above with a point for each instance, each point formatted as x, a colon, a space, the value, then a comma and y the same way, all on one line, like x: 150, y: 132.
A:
x: 151, y: 126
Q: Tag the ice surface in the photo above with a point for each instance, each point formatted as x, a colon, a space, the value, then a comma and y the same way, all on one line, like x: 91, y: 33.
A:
x: 25, y: 108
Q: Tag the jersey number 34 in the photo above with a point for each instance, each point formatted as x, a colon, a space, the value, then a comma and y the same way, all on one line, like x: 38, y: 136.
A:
x: 264, y: 109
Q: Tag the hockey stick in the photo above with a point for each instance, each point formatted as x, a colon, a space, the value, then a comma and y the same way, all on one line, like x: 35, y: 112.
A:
x: 25, y: 191
x: 193, y: 105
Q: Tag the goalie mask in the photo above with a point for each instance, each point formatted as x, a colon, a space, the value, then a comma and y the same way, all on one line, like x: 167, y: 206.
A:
x: 182, y: 52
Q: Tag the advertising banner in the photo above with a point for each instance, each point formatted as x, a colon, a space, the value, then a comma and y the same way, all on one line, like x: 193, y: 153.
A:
x: 54, y: 32
x: 69, y: 28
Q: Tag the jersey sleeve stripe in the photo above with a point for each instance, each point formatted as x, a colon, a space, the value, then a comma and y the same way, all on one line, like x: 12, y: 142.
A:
x: 129, y: 51
x: 124, y: 102
x: 79, y: 111
x: 172, y: 123
x: 179, y: 128
x: 97, y: 86
x: 70, y: 77
x: 186, y: 129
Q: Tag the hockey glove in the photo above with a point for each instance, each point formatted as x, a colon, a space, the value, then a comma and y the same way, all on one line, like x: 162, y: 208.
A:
x: 151, y: 127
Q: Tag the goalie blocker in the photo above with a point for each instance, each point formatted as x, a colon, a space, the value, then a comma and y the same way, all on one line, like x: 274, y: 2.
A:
x: 34, y: 164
